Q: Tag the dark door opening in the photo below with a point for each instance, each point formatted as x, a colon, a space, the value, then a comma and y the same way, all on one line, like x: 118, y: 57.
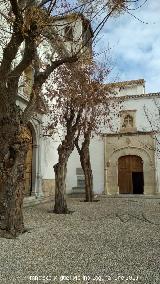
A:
x: 137, y: 182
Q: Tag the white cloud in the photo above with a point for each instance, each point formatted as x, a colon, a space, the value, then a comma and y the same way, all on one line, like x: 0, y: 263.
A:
x: 135, y: 46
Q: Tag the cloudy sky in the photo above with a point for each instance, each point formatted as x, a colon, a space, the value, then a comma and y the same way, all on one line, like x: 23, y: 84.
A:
x: 135, y: 46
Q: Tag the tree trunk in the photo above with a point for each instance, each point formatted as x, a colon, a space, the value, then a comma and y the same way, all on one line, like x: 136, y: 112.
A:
x: 60, y: 206
x: 11, y: 198
x: 60, y: 169
x: 12, y: 185
x: 86, y: 166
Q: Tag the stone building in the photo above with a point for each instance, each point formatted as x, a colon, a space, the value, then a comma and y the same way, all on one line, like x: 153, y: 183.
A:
x: 126, y: 159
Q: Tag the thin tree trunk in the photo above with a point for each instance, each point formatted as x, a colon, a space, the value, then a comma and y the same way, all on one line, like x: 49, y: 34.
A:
x: 86, y: 166
x: 60, y: 169
x: 60, y: 206
x: 64, y: 152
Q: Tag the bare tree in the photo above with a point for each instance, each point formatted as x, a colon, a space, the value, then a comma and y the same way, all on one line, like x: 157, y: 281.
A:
x: 66, y: 111
x: 25, y: 27
x: 100, y: 110
x: 80, y: 107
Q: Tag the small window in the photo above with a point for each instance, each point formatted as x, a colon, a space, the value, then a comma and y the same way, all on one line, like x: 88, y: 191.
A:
x: 80, y: 181
x: 68, y: 33
x: 28, y: 80
x: 79, y: 172
x: 128, y: 121
x: 80, y: 177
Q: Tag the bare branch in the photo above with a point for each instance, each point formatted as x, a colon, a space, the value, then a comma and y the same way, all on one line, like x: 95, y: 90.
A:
x: 29, y: 53
x: 16, y: 9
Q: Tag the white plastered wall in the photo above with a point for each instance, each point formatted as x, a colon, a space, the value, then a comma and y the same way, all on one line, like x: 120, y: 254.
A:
x: 97, y: 162
x: 97, y: 146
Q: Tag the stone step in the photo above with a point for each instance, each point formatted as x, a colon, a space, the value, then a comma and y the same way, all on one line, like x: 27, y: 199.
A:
x: 138, y: 196
x: 76, y: 195
x: 77, y: 192
x: 33, y: 200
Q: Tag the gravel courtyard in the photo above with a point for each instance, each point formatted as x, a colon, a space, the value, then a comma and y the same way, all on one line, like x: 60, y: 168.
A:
x: 115, y: 240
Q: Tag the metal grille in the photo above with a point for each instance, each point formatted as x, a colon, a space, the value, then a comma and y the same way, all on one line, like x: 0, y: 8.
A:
x: 80, y: 181
x: 79, y: 172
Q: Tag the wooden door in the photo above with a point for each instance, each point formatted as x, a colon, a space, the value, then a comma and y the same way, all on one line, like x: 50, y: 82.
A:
x: 126, y: 166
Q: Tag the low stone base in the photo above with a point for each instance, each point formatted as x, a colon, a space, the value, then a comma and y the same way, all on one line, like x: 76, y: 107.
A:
x: 78, y: 189
x: 77, y: 192
x: 143, y: 196
x: 48, y: 187
x: 32, y: 200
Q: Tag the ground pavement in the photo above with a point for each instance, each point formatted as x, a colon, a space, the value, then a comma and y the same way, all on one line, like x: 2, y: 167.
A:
x: 114, y: 240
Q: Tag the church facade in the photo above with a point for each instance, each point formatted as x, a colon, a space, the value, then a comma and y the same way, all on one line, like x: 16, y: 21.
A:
x: 125, y: 158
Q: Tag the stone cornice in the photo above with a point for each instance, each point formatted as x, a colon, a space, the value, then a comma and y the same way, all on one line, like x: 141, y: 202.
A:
x: 130, y: 133
x: 134, y: 97
x: 127, y: 83
x: 140, y: 96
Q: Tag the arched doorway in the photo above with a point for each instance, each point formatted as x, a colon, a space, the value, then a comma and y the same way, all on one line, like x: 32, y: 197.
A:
x: 28, y: 165
x: 130, y: 175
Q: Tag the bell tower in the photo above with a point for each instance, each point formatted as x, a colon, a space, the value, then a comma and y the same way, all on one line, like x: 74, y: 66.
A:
x: 77, y: 34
